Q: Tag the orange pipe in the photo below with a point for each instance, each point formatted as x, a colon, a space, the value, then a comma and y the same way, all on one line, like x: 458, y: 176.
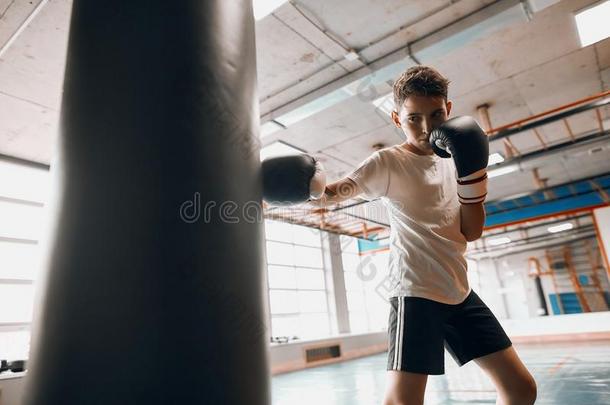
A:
x: 549, y: 261
x: 594, y: 267
x: 542, y: 114
x: 567, y: 257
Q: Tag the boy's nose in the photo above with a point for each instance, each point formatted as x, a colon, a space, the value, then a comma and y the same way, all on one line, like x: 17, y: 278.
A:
x: 427, y: 127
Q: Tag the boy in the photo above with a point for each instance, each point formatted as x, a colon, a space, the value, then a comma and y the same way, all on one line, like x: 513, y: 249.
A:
x: 432, y: 216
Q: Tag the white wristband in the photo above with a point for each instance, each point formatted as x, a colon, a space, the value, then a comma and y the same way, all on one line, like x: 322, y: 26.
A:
x: 472, y: 189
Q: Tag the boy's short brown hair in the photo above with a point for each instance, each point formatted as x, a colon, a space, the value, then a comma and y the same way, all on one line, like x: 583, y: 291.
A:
x: 420, y: 81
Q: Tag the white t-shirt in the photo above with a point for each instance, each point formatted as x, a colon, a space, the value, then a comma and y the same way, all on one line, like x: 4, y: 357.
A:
x: 426, y: 244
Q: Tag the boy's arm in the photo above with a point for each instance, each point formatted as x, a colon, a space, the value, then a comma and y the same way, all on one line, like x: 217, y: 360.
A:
x: 337, y: 192
x: 463, y: 139
x: 295, y: 179
x: 472, y: 218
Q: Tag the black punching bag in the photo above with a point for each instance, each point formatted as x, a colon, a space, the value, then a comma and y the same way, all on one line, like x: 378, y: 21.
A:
x: 153, y: 291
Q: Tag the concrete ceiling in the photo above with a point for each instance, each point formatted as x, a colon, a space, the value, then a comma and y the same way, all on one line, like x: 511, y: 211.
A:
x: 520, y: 68
x: 31, y: 76
x: 519, y: 57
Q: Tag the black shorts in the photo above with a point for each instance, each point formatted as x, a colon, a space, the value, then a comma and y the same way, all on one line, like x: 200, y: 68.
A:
x: 419, y: 328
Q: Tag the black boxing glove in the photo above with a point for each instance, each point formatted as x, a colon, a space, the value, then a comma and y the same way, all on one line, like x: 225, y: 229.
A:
x: 291, y: 180
x: 464, y: 140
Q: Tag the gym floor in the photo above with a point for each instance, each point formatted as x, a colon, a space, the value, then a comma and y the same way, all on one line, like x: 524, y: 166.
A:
x: 566, y: 373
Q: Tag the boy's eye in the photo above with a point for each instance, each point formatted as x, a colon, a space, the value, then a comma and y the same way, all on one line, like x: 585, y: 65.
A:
x: 413, y: 119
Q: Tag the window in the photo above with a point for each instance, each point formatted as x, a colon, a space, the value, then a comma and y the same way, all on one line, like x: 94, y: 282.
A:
x: 473, y: 274
x: 14, y: 344
x: 23, y: 191
x: 363, y: 274
x: 297, y: 286
x: 19, y: 261
x: 16, y: 301
x: 23, y: 182
x: 282, y: 277
x: 20, y: 221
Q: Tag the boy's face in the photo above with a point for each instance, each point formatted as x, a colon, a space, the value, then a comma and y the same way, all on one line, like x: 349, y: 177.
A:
x: 418, y: 116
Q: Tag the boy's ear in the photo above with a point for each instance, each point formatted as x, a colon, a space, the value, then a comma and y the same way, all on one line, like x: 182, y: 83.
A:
x: 449, y: 105
x: 396, y: 119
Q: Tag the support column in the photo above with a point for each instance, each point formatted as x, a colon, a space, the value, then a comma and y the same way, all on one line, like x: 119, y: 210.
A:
x: 500, y: 281
x: 601, y: 219
x: 337, y: 278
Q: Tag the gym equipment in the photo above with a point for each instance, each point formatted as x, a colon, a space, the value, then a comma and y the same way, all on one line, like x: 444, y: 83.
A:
x: 159, y: 113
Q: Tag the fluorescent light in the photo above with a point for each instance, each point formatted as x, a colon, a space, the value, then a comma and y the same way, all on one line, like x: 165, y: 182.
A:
x: 495, y: 158
x: 502, y: 171
x: 278, y: 149
x: 561, y: 227
x: 270, y: 127
x: 385, y: 103
x: 263, y: 8
x: 592, y: 23
x: 498, y: 241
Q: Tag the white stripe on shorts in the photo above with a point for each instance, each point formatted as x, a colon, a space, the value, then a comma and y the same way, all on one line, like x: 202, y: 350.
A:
x: 398, y: 335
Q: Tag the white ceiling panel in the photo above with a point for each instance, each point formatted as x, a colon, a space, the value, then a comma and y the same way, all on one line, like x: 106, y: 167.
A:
x: 602, y: 49
x: 506, y: 103
x: 510, y: 184
x: 287, y: 62
x: 32, y: 68
x: 560, y: 81
x: 330, y: 127
x: 12, y: 15
x: 27, y: 130
x: 368, y: 20
x: 512, y: 50
x: 356, y: 149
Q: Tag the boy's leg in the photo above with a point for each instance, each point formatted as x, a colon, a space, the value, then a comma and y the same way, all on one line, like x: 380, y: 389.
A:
x: 474, y: 333
x: 404, y: 388
x: 513, y: 381
x: 415, y: 333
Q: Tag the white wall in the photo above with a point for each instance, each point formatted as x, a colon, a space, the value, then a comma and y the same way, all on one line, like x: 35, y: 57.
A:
x: 601, y: 217
x: 571, y: 327
x: 291, y: 356
x: 510, y: 293
x: 491, y: 287
x: 507, y: 289
x: 11, y: 388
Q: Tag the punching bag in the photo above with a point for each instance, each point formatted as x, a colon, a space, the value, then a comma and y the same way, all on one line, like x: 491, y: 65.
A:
x: 153, y: 291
